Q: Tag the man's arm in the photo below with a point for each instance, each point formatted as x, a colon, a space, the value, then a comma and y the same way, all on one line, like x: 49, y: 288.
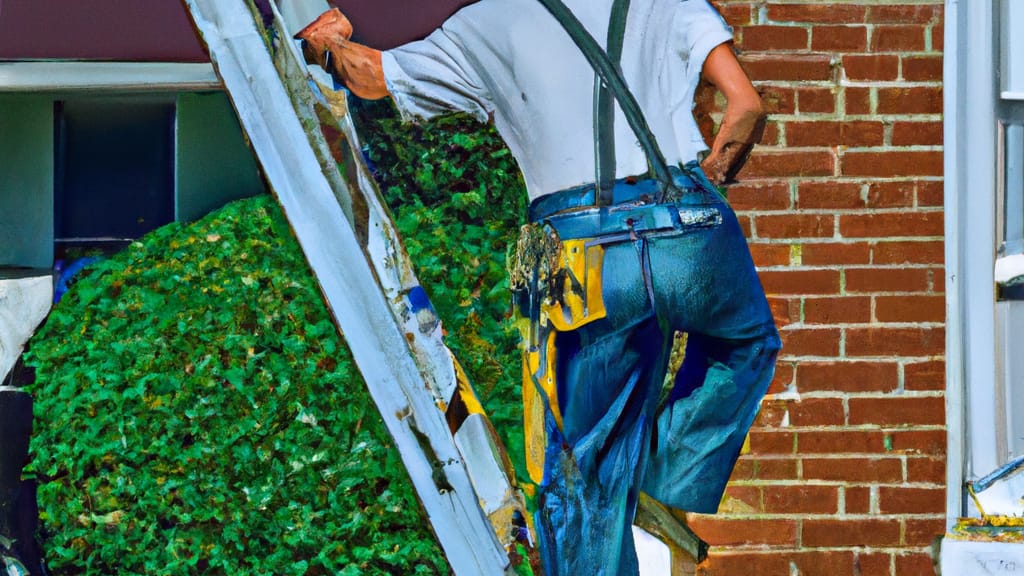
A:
x: 744, y: 118
x: 326, y: 43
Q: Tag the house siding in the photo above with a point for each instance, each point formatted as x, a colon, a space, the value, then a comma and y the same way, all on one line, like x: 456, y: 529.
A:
x: 843, y: 205
x: 140, y: 31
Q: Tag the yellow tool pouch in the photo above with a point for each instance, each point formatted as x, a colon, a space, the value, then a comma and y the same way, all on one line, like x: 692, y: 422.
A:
x: 556, y: 285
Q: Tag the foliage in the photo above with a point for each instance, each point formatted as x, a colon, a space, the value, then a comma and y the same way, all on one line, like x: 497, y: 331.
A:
x: 198, y: 412
x: 458, y: 200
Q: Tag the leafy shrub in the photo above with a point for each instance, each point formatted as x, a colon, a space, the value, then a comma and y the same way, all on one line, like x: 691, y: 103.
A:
x: 458, y: 200
x: 197, y: 411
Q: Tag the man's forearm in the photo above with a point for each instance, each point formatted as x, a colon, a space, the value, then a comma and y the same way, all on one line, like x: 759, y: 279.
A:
x: 743, y: 123
x: 359, y: 67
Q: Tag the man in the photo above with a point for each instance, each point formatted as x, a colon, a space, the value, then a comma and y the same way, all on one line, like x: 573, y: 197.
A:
x: 605, y: 279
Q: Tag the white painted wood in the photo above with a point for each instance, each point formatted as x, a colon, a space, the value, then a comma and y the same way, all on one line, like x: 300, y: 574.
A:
x: 24, y: 302
x: 953, y: 86
x: 1012, y: 18
x: 73, y: 76
x: 971, y: 183
x: 653, y: 555
x: 1009, y: 329
x: 963, y: 558
x: 313, y: 195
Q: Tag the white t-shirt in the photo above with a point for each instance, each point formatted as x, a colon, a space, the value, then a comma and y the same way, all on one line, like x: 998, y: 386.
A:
x: 511, y: 61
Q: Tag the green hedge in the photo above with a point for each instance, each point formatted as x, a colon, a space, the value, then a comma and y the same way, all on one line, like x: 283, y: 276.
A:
x: 198, y: 413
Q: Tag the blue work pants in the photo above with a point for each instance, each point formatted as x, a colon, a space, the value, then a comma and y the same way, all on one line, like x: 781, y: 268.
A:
x: 679, y: 266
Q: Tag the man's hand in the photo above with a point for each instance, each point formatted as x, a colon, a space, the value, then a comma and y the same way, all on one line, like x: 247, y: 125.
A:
x: 326, y: 43
x: 744, y: 119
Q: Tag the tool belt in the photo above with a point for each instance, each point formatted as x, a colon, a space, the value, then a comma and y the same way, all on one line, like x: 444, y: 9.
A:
x: 555, y: 270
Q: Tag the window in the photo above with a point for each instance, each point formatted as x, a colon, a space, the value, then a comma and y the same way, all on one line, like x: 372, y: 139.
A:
x: 984, y: 169
x: 113, y: 169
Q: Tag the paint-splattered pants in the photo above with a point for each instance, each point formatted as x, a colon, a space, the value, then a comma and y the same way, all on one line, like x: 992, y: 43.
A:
x: 599, y: 314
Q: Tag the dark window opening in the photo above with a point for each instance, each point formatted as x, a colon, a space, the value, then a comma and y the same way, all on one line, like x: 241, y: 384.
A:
x: 113, y: 170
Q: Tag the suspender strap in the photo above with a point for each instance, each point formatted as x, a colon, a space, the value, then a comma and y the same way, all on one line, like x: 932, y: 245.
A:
x: 613, y: 78
x: 604, y: 108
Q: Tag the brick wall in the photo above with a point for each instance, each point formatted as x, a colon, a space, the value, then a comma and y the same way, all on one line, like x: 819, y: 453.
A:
x: 843, y: 207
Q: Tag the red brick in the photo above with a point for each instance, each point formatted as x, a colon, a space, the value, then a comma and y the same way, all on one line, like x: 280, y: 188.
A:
x: 922, y: 68
x: 800, y: 67
x: 744, y: 222
x: 891, y: 194
x: 760, y: 196
x: 773, y: 442
x: 858, y: 100
x: 789, y: 164
x: 778, y: 100
x: 920, y: 564
x: 922, y: 532
x: 738, y: 499
x: 909, y: 252
x: 917, y: 308
x: 810, y: 341
x: 897, y: 410
x: 772, y: 414
x: 770, y: 136
x: 855, y: 134
x: 721, y: 531
x: 861, y: 67
x: 847, y: 376
x: 917, y: 134
x: 892, y: 163
x: 800, y: 282
x: 929, y: 375
x: 837, y: 310
x: 889, y: 224
x: 786, y: 311
x: 905, y: 14
x: 816, y: 100
x: 830, y: 563
x: 764, y: 38
x: 736, y: 14
x: 743, y: 470
x: 783, y: 379
x: 832, y: 253
x: 839, y: 38
x: 887, y: 470
x: 886, y: 280
x: 840, y: 442
x: 912, y: 100
x: 937, y: 280
x: 795, y: 225
x: 897, y: 38
x: 873, y: 564
x: 770, y: 254
x: 817, y: 412
x: 827, y: 533
x: 829, y: 195
x: 889, y: 341
x: 858, y: 501
x: 727, y: 563
x: 784, y: 469
x: 817, y: 13
x: 926, y: 470
x: 900, y: 500
x: 924, y: 442
x: 930, y: 193
x: 805, y: 499
x: 938, y: 38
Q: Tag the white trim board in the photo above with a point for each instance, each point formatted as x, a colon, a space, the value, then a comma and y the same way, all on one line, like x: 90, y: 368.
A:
x: 65, y: 76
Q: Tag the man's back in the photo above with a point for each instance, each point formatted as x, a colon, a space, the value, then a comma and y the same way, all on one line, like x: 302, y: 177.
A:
x: 512, y: 61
